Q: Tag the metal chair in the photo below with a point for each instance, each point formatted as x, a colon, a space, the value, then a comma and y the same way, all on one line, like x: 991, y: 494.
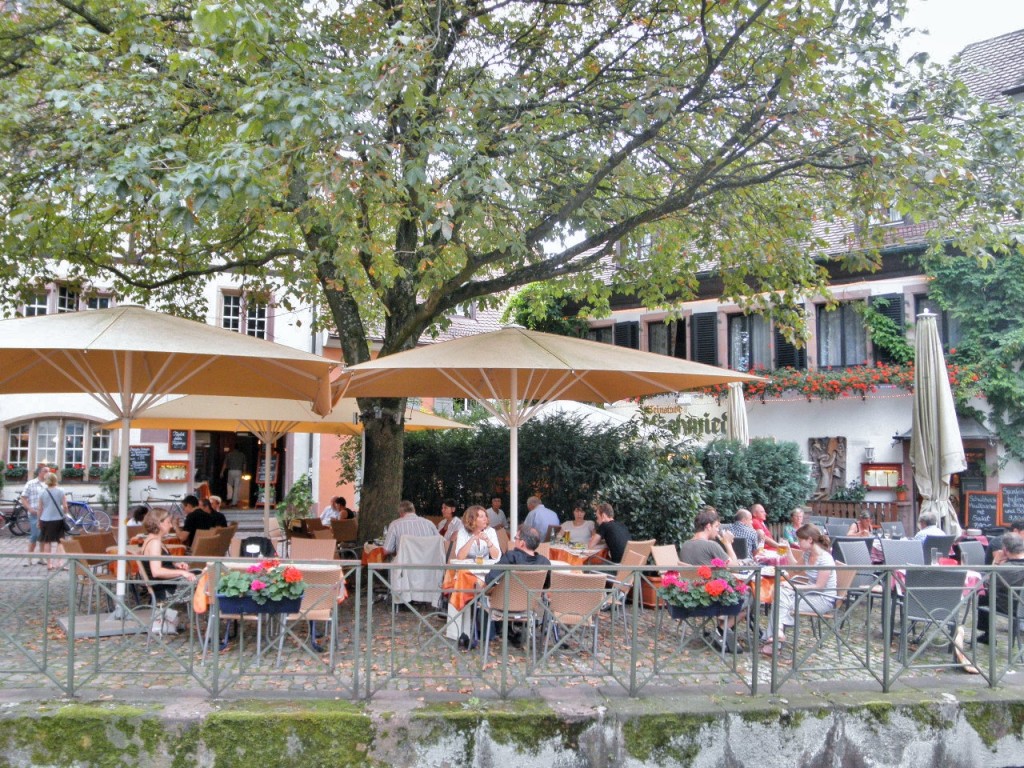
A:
x: 972, y: 553
x: 836, y: 529
x: 939, y: 544
x: 739, y: 546
x: 902, y: 552
x: 932, y: 596
x: 819, y: 520
x: 844, y: 578
x: 574, y: 604
x: 319, y: 603
x: 522, y: 603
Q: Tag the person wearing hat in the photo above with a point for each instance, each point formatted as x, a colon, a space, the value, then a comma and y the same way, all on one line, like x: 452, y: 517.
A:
x: 861, y: 526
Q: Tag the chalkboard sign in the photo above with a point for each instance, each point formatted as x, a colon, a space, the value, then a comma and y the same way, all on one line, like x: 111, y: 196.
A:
x: 981, y: 509
x: 140, y: 461
x: 177, y: 441
x: 260, y: 477
x: 1011, y: 499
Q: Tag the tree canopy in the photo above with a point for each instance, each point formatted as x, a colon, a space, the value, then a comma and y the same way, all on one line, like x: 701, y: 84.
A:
x: 394, y: 161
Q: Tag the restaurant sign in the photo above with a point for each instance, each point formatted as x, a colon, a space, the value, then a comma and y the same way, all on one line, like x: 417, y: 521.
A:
x: 701, y: 418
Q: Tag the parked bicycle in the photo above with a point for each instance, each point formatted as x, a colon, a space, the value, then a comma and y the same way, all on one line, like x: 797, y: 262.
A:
x: 82, y: 518
x: 171, y: 504
x: 15, y: 518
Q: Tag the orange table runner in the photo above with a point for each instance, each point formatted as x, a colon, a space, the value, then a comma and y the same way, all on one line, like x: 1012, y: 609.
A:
x: 372, y: 553
x: 461, y: 587
x: 576, y: 556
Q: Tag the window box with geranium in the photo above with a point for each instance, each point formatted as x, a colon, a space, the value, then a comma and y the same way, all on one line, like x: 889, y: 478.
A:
x: 96, y: 472
x: 712, y: 591
x: 73, y: 473
x: 264, y: 587
x: 14, y: 472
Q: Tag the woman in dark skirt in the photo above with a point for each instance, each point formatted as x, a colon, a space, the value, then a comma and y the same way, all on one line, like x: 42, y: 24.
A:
x: 53, y: 505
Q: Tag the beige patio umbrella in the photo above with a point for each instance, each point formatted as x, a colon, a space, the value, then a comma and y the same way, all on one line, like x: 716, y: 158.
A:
x: 128, y: 357
x: 269, y: 420
x: 514, y: 371
x: 736, y: 410
x: 936, y: 448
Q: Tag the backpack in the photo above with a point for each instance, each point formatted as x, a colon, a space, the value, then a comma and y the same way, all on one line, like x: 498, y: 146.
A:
x: 266, y: 547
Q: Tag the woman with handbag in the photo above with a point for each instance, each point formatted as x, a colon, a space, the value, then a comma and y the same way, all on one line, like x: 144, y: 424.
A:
x: 53, y: 505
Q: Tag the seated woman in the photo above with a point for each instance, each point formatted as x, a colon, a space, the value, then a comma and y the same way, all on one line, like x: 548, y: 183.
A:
x: 475, y: 537
x: 861, y: 526
x: 449, y: 525
x: 820, y: 592
x: 796, y: 519
x: 164, y: 576
x: 579, y: 529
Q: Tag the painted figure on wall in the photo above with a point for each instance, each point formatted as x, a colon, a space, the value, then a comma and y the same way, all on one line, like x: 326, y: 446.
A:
x: 829, y: 457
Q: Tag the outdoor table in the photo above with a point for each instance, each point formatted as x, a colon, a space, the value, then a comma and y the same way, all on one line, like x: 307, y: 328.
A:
x: 462, y: 585
x: 372, y: 553
x: 572, y: 556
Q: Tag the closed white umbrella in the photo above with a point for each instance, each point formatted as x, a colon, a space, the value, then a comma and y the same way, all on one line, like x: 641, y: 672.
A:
x: 736, y: 410
x: 936, y: 448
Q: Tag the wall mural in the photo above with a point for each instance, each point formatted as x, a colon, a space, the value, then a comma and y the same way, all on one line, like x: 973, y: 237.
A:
x: 828, y: 455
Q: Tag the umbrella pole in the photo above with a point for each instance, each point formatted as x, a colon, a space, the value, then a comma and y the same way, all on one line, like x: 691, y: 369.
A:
x: 513, y: 457
x: 267, y: 455
x: 122, y: 505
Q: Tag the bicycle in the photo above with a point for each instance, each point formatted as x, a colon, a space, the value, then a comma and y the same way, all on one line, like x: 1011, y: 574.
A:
x: 81, y: 518
x: 15, y: 519
x: 176, y: 510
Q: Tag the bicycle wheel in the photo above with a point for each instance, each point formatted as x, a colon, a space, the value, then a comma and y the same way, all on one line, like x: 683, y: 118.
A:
x: 100, y: 519
x: 18, y: 522
x: 77, y: 520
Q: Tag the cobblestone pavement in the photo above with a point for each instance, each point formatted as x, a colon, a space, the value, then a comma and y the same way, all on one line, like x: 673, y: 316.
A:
x: 407, y: 651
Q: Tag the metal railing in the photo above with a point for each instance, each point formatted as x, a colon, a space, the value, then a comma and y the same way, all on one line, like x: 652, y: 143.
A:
x: 879, y: 633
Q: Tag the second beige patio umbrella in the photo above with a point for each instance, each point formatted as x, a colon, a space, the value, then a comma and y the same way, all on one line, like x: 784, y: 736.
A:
x: 269, y: 420
x: 513, y: 372
x: 128, y: 357
x: 936, y: 448
x: 736, y: 409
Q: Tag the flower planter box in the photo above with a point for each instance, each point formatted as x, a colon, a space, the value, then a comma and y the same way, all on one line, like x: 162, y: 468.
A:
x: 649, y: 593
x: 679, y: 612
x: 250, y: 606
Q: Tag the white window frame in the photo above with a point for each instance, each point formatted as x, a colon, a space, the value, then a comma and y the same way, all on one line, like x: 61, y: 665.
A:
x: 67, y: 300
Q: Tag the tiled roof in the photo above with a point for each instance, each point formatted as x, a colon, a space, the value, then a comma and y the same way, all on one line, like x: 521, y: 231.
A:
x: 992, y: 68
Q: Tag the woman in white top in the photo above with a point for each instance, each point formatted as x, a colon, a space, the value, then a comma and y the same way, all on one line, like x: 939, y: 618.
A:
x: 579, y: 529
x: 820, y: 592
x: 476, y: 538
x: 449, y: 525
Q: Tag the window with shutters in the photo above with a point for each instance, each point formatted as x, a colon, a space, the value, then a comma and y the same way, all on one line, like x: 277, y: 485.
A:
x: 705, y: 338
x: 787, y: 354
x: 603, y: 334
x: 749, y: 345
x: 667, y: 338
x: 627, y: 335
x: 891, y: 306
x: 949, y: 326
x: 842, y: 339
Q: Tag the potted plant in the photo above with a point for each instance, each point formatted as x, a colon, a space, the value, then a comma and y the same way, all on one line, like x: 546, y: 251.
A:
x: 15, y: 472
x: 73, y: 473
x: 714, y: 592
x: 264, y: 587
x: 96, y: 472
x: 901, y: 492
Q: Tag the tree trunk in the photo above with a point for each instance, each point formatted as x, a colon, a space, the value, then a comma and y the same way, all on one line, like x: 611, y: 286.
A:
x: 382, y: 479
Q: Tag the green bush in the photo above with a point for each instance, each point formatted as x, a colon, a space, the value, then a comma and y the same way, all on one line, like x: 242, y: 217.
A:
x: 765, y: 472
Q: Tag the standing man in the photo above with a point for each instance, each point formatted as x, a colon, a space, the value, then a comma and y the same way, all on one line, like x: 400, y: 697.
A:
x: 540, y: 517
x: 408, y: 523
x: 615, y: 534
x: 233, y: 467
x: 30, y: 501
x: 496, y: 515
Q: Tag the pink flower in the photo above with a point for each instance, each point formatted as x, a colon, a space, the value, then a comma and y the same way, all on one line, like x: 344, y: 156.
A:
x: 255, y: 568
x: 718, y: 563
x: 257, y: 585
x: 670, y: 579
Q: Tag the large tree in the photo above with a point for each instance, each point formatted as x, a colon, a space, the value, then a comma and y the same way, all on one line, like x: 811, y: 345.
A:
x: 394, y: 160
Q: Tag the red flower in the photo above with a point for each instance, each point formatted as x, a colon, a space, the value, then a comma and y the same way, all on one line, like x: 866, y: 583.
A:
x: 292, y: 575
x: 704, y: 572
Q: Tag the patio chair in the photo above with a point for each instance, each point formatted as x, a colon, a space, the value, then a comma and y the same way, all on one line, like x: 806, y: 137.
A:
x: 739, y: 546
x: 544, y: 548
x: 277, y: 535
x: 900, y: 552
x: 314, y: 549
x: 574, y: 605
x: 158, y: 606
x: 417, y: 585
x: 622, y: 584
x: 857, y: 552
x: 835, y: 615
x: 836, y: 529
x: 894, y: 530
x: 212, y: 544
x: 503, y: 540
x: 819, y: 520
x: 522, y: 604
x: 972, y: 553
x: 665, y: 555
x: 837, y: 540
x: 319, y: 603
x: 939, y: 544
x: 92, y: 574
x: 932, y: 596
x: 643, y: 547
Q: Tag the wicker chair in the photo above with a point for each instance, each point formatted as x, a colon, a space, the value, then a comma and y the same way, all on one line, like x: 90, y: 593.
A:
x: 313, y: 549
x: 574, y: 604
x: 522, y: 604
x: 324, y: 589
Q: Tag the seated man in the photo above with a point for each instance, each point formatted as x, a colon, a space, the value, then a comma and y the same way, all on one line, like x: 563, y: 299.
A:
x: 614, y: 534
x: 743, y: 528
x: 709, y: 541
x: 408, y: 523
x: 1011, y: 576
x: 928, y: 523
x: 540, y: 517
x: 761, y: 526
x: 196, y: 519
x: 522, y: 552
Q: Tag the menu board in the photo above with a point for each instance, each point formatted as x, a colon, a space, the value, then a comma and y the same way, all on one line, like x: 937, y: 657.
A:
x: 260, y: 477
x: 140, y: 461
x: 981, y: 509
x: 177, y: 441
x: 1011, y: 502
